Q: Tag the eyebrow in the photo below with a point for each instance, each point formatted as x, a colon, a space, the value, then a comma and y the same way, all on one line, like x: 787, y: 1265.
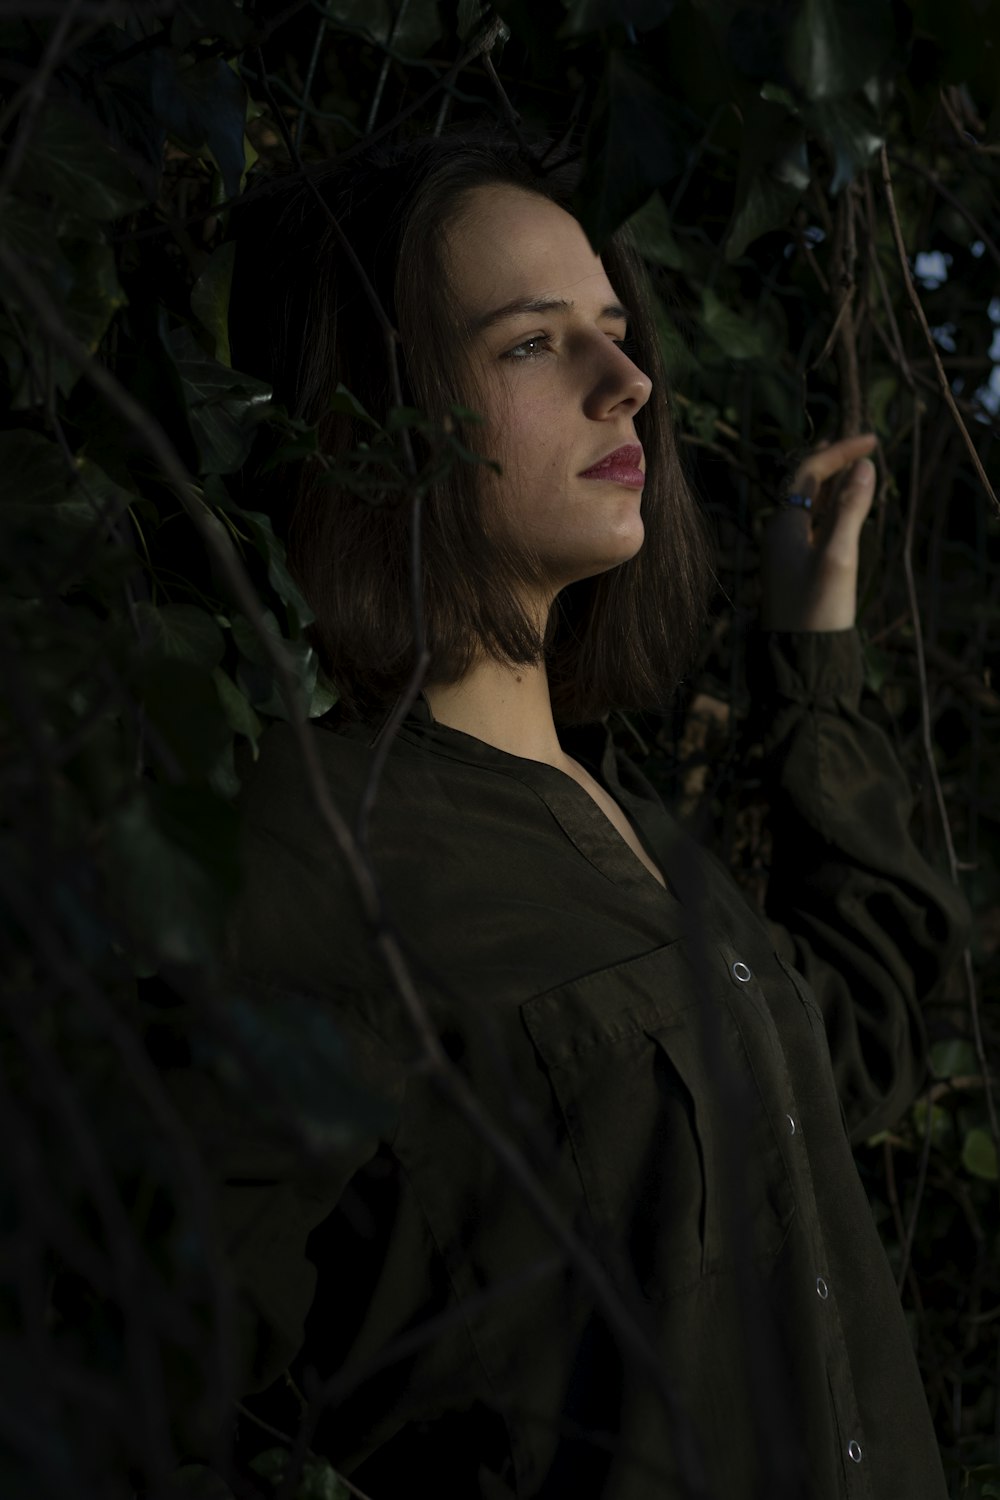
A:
x: 539, y: 305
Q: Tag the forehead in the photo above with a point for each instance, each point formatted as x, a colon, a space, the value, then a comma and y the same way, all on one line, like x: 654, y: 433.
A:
x: 507, y: 243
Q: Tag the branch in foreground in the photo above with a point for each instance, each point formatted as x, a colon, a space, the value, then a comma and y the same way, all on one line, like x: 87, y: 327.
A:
x: 914, y: 297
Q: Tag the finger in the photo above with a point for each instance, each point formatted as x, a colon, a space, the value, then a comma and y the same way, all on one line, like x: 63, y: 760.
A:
x: 842, y: 522
x: 824, y: 463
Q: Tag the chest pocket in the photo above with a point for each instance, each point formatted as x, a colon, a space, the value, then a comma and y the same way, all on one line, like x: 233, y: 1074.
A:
x: 679, y: 1165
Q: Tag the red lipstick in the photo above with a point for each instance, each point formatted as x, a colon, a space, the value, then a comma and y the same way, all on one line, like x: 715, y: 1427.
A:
x: 619, y: 467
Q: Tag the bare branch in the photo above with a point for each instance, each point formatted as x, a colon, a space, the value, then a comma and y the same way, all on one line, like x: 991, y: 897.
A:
x: 922, y: 317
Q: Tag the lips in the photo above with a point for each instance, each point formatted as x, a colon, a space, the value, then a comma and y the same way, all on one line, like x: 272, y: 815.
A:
x: 620, y: 467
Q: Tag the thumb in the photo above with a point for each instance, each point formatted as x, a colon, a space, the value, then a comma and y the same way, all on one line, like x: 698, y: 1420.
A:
x: 847, y: 515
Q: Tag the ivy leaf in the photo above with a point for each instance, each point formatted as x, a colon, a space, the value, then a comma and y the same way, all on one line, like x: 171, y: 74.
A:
x: 223, y: 405
x: 653, y: 235
x: 198, y: 1482
x: 638, y: 140
x: 739, y: 337
x: 69, y: 159
x: 678, y: 359
x: 210, y: 299
x: 834, y: 46
x: 166, y: 850
x: 773, y: 174
x: 49, y: 510
x: 203, y: 105
x: 278, y: 576
x: 979, y: 1154
x: 408, y: 31
x: 255, y: 675
x: 348, y: 405
x: 953, y: 1058
x: 34, y: 469
x: 182, y: 631
x: 201, y: 20
x: 181, y: 701
x: 850, y: 131
x: 597, y: 15
x: 77, y: 269
x: 285, y: 1052
x: 239, y: 715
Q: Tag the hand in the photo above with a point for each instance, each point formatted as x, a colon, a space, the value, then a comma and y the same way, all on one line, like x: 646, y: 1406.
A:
x: 809, y: 559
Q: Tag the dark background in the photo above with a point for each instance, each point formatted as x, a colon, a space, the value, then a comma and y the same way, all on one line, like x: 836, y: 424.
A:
x: 816, y: 188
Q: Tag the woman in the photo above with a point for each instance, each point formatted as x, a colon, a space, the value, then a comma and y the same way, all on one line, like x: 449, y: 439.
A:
x: 684, y: 1080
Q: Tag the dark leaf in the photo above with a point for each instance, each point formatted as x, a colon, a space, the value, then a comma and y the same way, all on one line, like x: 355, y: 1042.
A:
x: 239, y: 715
x: 203, y: 105
x: 182, y: 631
x: 755, y: 40
x: 343, y: 401
x: 638, y: 140
x: 850, y: 132
x: 171, y: 900
x: 224, y: 406
x: 774, y: 172
x: 979, y: 1154
x: 77, y: 269
x: 49, y: 511
x: 286, y: 1053
x: 954, y: 1058
x: 653, y: 235
x: 278, y: 576
x: 210, y: 299
x: 198, y: 1482
x: 69, y: 159
x: 737, y: 336
x: 597, y: 15
x: 408, y: 31
x: 834, y: 46
x: 189, y: 728
x: 203, y: 20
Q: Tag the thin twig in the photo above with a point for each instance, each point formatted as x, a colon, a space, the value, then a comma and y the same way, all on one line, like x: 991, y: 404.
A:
x: 847, y: 348
x: 922, y: 317
x: 383, y: 72
x: 957, y: 203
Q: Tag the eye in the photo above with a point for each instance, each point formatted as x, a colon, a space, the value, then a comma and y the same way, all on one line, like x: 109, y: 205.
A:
x: 532, y: 348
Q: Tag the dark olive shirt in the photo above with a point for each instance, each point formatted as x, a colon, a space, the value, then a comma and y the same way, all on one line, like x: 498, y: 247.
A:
x: 685, y: 1079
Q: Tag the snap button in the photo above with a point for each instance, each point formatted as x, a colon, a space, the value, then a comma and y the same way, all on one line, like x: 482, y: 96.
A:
x: 854, y: 1451
x: 791, y: 1124
x: 741, y: 972
x: 822, y: 1288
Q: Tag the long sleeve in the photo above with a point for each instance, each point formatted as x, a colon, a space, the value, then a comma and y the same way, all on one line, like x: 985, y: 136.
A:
x: 852, y: 903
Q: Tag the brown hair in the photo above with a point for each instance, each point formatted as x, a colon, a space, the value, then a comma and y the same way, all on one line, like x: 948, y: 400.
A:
x: 302, y: 320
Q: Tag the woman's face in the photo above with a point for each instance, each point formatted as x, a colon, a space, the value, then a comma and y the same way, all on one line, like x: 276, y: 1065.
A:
x: 558, y: 391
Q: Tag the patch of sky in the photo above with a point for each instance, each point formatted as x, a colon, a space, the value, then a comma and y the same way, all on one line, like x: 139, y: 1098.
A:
x: 944, y: 337
x: 988, y: 395
x: 930, y: 267
x: 812, y: 234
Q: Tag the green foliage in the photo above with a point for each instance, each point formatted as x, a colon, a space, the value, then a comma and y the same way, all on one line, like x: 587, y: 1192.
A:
x: 740, y: 143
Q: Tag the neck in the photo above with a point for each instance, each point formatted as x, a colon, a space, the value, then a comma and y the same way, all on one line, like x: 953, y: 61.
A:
x: 508, y: 707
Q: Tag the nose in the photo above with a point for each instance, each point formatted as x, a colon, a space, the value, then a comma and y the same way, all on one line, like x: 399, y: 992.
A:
x: 617, y: 385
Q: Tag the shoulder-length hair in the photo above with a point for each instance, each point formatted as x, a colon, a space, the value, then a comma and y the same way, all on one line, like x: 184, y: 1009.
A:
x: 302, y: 319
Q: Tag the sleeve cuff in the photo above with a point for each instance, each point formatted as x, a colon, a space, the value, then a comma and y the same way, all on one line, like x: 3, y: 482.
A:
x: 810, y: 667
